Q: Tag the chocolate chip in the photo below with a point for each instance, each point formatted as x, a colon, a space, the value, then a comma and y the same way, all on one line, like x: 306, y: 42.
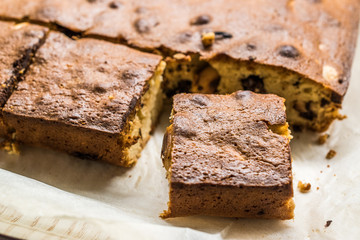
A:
x: 222, y: 35
x: 308, y: 114
x: 341, y: 81
x: 324, y: 102
x: 115, y: 4
x: 328, y: 223
x: 261, y: 212
x: 253, y: 83
x: 288, y: 51
x: 336, y: 98
x: 142, y: 26
x: 201, y: 20
x: 184, y: 85
x: 252, y: 58
x: 250, y: 47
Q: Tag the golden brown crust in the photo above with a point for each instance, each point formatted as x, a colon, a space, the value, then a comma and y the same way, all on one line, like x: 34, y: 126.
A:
x: 18, y: 43
x: 314, y: 38
x: 85, y: 89
x: 224, y: 142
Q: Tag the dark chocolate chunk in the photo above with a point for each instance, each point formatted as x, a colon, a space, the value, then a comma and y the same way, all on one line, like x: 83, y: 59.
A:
x: 341, y: 81
x: 184, y: 85
x: 309, y: 114
x: 288, y: 51
x: 336, y: 98
x: 201, y: 20
x: 253, y: 83
x: 115, y: 4
x: 142, y: 26
x: 222, y: 35
x: 250, y: 47
x: 324, y: 102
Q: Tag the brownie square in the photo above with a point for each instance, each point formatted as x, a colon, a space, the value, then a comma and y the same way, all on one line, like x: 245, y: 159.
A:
x: 88, y: 97
x: 18, y: 44
x: 229, y: 155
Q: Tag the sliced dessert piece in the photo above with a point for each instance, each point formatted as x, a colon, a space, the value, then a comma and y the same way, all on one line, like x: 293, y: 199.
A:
x: 229, y: 155
x: 300, y: 50
x: 18, y: 44
x: 88, y: 97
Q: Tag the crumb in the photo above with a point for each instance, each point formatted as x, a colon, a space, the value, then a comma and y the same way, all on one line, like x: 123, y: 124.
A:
x: 328, y: 166
x: 208, y: 39
x: 321, y: 171
x: 330, y: 154
x: 334, y: 175
x: 322, y: 139
x: 304, y: 187
x: 10, y: 147
x: 317, y: 188
x: 328, y: 223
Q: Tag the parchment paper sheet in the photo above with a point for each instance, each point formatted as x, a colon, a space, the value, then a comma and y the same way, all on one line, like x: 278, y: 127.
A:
x: 50, y: 195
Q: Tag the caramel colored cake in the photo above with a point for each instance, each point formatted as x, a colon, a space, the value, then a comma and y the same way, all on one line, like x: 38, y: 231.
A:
x: 88, y: 97
x: 18, y: 45
x: 229, y: 155
x: 301, y: 50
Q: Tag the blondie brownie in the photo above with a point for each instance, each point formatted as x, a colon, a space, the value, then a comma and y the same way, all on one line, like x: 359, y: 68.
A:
x: 229, y: 155
x: 18, y: 44
x: 300, y: 50
x: 88, y: 97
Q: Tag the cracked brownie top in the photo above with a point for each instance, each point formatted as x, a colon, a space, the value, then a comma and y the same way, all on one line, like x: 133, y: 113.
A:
x: 235, y: 140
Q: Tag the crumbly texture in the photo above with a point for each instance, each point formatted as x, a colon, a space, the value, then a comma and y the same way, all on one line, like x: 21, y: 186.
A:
x: 19, y: 42
x: 221, y: 147
x: 331, y: 154
x: 287, y: 39
x: 304, y: 187
x: 88, y: 97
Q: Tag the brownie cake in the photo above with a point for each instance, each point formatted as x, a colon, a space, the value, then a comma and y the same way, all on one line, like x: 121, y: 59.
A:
x: 300, y: 50
x: 18, y: 44
x: 229, y: 155
x: 87, y: 97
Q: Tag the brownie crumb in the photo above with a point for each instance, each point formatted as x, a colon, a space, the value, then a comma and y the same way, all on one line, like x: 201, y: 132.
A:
x: 304, y: 187
x: 322, y: 139
x: 201, y: 20
x: 330, y: 154
x: 208, y: 39
x: 288, y: 51
x: 328, y: 223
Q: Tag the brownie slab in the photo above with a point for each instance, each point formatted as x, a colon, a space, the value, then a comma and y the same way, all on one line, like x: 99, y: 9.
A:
x: 87, y: 97
x: 18, y: 44
x: 229, y: 155
x: 300, y: 50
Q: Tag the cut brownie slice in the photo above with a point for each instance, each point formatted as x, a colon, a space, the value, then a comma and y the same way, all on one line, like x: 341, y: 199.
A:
x: 229, y: 155
x: 88, y: 97
x: 19, y: 42
x: 300, y: 50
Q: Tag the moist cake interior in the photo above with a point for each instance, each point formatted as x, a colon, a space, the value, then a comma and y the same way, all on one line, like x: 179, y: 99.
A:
x: 308, y: 104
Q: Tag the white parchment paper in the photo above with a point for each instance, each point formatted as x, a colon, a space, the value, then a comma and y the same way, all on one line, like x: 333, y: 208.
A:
x: 50, y: 195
